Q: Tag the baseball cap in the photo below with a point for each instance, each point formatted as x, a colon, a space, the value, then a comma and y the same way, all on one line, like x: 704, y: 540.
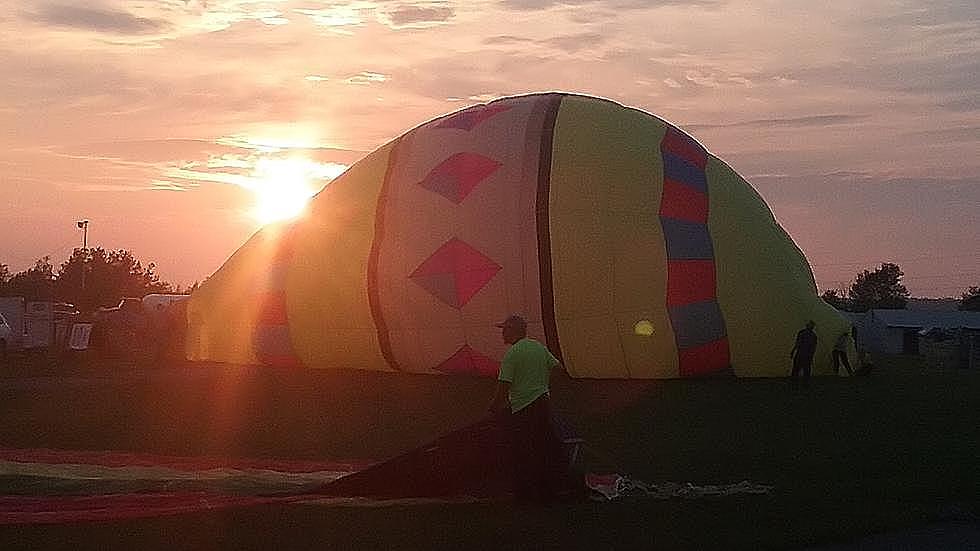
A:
x: 514, y: 320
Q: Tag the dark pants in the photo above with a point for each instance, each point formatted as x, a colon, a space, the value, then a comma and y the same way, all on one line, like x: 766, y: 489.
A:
x: 841, y: 357
x: 536, y: 459
x: 802, y: 364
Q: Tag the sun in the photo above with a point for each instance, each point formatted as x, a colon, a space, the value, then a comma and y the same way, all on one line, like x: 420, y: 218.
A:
x: 277, y: 203
x: 282, y: 188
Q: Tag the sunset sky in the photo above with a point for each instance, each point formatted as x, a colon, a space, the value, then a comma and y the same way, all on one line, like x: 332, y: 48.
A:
x: 175, y: 126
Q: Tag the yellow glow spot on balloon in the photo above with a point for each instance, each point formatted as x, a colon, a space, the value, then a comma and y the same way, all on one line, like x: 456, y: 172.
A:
x: 643, y: 328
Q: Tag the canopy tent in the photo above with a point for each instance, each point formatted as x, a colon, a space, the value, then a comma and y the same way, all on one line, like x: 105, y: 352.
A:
x: 632, y: 251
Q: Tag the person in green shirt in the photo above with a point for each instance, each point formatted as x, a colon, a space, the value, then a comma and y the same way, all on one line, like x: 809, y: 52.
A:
x: 522, y: 396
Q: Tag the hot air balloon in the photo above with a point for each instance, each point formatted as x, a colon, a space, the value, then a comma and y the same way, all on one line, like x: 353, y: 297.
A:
x: 631, y: 250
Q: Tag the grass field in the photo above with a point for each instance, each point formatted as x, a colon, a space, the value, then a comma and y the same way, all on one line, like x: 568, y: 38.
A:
x: 847, y: 456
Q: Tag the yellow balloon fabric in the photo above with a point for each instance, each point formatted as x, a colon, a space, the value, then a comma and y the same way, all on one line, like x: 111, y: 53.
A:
x: 631, y: 251
x: 607, y: 244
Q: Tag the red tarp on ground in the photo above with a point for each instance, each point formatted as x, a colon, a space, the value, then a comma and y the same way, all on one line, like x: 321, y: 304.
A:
x: 472, y: 462
x: 60, y: 486
x: 63, y: 509
x: 131, y: 459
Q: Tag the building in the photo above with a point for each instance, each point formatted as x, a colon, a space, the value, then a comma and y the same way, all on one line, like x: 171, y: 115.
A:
x: 897, y: 331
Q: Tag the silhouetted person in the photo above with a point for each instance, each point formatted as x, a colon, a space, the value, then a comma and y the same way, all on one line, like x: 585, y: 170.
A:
x: 840, y: 354
x: 803, y: 350
x: 523, y: 396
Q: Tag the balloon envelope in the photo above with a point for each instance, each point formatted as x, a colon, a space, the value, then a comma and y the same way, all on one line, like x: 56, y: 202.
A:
x: 631, y: 251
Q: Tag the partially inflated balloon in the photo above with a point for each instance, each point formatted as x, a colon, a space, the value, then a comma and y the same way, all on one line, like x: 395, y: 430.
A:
x: 632, y: 251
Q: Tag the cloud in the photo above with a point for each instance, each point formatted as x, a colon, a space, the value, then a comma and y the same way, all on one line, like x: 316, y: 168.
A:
x: 957, y: 134
x: 259, y: 171
x: 569, y: 43
x: 505, y: 39
x: 397, y: 15
x: 336, y: 16
x: 208, y: 176
x: 182, y: 165
x: 923, y: 72
x: 166, y: 185
x: 716, y: 79
x: 146, y: 151
x: 813, y: 120
x: 416, y: 16
x: 366, y: 77
x: 94, y: 18
x: 531, y: 5
x: 334, y: 154
x: 41, y: 79
x: 468, y: 74
x: 956, y: 73
x: 932, y: 13
x: 967, y: 102
x: 483, y: 98
x: 574, y: 42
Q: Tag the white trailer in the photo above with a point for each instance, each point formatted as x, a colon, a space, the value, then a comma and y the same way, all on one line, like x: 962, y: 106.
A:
x: 12, y: 309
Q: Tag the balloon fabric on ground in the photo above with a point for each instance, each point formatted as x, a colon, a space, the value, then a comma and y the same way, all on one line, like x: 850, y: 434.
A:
x: 632, y: 251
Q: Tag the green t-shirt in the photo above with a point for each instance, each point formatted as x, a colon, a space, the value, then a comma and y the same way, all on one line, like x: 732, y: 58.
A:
x: 527, y: 367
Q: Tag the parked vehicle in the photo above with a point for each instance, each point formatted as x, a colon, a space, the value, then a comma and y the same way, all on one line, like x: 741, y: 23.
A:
x: 47, y: 324
x: 120, y: 330
x: 6, y: 338
x: 12, y: 309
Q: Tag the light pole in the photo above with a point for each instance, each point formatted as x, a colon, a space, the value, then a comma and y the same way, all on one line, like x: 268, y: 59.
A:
x: 83, y: 225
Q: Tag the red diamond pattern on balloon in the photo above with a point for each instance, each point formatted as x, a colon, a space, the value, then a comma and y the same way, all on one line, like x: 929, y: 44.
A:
x: 456, y: 177
x: 455, y: 272
x: 467, y: 360
x: 471, y: 118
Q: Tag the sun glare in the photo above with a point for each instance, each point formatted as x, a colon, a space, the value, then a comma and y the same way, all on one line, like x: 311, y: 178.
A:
x: 275, y: 205
x: 283, y: 188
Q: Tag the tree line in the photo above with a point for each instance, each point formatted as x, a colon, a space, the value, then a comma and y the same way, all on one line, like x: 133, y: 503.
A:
x: 883, y: 288
x: 96, y: 277
x: 89, y: 279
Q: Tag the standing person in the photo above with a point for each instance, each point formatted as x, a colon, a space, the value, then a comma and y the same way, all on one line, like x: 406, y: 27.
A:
x: 840, y: 354
x: 803, y: 350
x: 523, y: 390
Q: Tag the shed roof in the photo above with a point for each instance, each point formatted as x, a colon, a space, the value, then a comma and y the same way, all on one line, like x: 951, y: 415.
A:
x: 921, y: 318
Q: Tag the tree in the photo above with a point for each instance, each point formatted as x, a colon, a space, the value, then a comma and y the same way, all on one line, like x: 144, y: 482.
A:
x: 96, y: 277
x: 881, y: 288
x: 181, y: 290
x: 34, y: 283
x: 836, y: 298
x: 970, y: 300
x: 88, y: 279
